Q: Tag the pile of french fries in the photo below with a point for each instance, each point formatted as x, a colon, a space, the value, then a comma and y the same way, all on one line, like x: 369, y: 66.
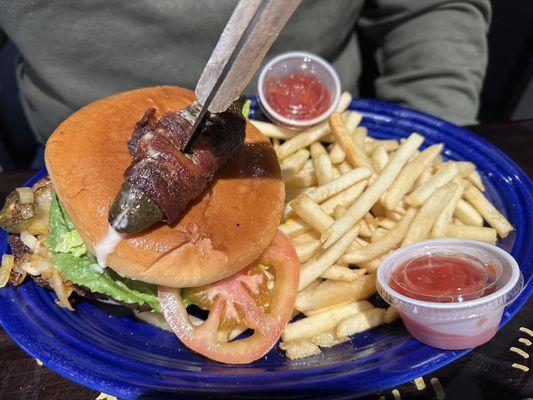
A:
x: 352, y: 199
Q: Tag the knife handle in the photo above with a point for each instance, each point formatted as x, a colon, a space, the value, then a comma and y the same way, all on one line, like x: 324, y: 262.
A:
x: 250, y: 32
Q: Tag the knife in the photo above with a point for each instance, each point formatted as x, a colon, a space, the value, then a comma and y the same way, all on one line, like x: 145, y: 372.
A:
x: 252, y: 28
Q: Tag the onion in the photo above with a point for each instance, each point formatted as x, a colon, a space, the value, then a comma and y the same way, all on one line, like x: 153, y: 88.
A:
x: 29, y: 240
x: 8, y: 260
x: 25, y: 195
x: 156, y: 319
x: 38, y: 226
x: 62, y: 292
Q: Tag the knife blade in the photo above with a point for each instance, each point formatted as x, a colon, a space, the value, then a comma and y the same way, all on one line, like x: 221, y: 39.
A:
x: 251, y: 30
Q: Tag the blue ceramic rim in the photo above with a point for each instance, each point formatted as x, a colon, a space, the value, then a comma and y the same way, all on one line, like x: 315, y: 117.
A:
x: 381, y: 112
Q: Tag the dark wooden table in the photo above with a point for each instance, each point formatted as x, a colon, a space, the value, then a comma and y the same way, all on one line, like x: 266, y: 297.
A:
x: 485, y: 373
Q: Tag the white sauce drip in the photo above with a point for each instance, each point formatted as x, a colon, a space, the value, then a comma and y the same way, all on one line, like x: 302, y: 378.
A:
x: 106, y: 246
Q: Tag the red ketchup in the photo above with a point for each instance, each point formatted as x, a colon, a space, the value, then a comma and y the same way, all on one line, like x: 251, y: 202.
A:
x: 298, y: 96
x: 443, y: 278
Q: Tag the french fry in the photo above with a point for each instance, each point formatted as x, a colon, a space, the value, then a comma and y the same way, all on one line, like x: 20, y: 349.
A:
x: 372, y: 194
x: 308, y: 313
x: 340, y: 273
x: 291, y: 194
x: 475, y: 179
x: 379, y: 158
x: 311, y: 213
x: 372, y: 265
x: 309, y: 327
x: 308, y: 165
x: 338, y: 211
x: 389, y: 241
x: 388, y: 144
x: 408, y: 176
x: 385, y: 223
x: 294, y: 227
x: 440, y: 228
x: 303, y: 139
x: 377, y: 233
x: 344, y: 102
x: 423, y: 178
x: 355, y: 154
x: 467, y: 214
x: 344, y: 167
x: 275, y: 144
x: 301, y: 179
x: 336, y: 173
x: 364, y: 229
x: 391, y: 315
x: 345, y: 198
x: 488, y: 211
x: 427, y: 214
x: 312, y: 286
x: 392, y: 215
x: 370, y: 220
x: 441, y: 178
x: 328, y: 339
x: 299, y: 349
x: 360, y: 322
x: 294, y: 163
x: 323, y: 168
x: 352, y: 119
x: 336, y: 154
x: 336, y: 186
x: 480, y: 233
x: 273, y: 131
x: 305, y: 237
x: 306, y: 250
x: 315, y: 267
x: 358, y: 139
x: 465, y: 168
x: 334, y: 292
x: 317, y: 149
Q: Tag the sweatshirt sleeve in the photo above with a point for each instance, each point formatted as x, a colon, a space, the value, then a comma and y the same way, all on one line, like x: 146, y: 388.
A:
x: 432, y: 54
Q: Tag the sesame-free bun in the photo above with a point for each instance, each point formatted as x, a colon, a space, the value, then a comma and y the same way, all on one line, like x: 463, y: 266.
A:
x: 223, y: 231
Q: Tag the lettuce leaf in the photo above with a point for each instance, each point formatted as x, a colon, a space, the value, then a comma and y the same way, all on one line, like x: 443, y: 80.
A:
x: 71, y: 258
x: 246, y: 109
x: 70, y: 242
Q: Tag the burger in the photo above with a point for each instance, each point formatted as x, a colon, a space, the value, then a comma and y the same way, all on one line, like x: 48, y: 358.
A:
x: 211, y: 265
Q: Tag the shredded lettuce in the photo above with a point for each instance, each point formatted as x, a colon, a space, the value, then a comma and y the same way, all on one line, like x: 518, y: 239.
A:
x: 71, y: 258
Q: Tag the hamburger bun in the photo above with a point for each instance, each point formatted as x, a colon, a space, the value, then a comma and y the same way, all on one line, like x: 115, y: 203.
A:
x: 223, y: 231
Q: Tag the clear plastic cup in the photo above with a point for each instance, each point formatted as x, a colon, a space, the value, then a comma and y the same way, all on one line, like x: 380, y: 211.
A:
x: 292, y: 63
x: 465, y: 320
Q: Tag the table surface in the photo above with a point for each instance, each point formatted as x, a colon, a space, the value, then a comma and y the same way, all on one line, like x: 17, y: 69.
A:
x: 485, y: 373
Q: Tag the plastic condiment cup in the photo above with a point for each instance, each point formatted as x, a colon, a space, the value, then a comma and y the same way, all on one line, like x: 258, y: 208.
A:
x: 453, y: 325
x: 298, y: 62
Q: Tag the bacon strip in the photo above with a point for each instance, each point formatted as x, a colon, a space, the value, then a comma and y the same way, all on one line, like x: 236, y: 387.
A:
x: 160, y: 167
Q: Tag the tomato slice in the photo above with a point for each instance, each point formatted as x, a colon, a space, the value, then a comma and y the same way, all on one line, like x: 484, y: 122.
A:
x: 243, y: 299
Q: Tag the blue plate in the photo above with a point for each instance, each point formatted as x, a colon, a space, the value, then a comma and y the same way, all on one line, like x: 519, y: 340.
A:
x: 106, y: 350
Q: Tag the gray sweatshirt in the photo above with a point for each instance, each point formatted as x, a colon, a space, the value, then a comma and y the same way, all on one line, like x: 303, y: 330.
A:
x: 431, y: 54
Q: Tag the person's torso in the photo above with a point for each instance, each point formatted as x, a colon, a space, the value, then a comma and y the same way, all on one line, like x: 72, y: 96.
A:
x: 75, y: 52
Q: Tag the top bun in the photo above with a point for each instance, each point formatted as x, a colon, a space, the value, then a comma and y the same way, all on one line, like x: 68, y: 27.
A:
x: 223, y: 231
